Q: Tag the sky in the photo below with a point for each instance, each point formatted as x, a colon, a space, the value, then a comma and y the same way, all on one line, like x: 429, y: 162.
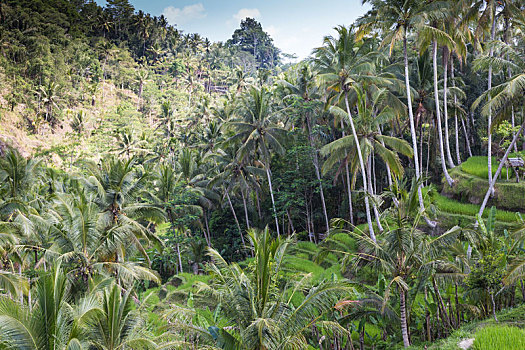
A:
x: 297, y: 26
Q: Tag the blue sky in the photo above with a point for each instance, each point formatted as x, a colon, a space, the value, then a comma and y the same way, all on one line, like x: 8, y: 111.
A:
x: 296, y: 26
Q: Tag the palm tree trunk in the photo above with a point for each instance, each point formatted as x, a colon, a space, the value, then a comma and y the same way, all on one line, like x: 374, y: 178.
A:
x: 348, y: 183
x: 245, y: 209
x: 413, y: 129
x: 363, y: 171
x: 235, y: 216
x: 208, y: 237
x: 445, y: 108
x: 403, y: 317
x: 438, y: 115
x: 466, y: 137
x: 388, y: 172
x: 441, y: 305
x: 456, y: 127
x: 179, y: 258
x: 371, y: 193
x: 492, y: 181
x: 489, y: 124
x: 315, y: 160
x: 268, y: 175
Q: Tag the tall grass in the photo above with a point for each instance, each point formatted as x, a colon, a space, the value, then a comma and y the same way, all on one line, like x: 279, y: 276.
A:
x: 499, y: 338
x: 454, y: 207
x: 477, y: 166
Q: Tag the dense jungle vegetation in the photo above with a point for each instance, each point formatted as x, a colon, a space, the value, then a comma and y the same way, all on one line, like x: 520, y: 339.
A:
x: 161, y: 191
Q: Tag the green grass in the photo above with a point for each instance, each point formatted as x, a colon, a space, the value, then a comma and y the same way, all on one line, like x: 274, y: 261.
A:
x: 478, y: 166
x: 469, y: 188
x: 451, y: 206
x: 499, y: 338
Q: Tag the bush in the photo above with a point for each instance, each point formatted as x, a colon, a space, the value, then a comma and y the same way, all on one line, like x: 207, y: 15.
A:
x: 499, y: 338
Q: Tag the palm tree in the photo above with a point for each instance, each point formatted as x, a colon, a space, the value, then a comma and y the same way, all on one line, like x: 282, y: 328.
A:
x: 235, y: 173
x: 52, y: 323
x: 484, y: 14
x: 18, y: 176
x: 396, y: 18
x: 49, y: 97
x: 434, y: 36
x: 258, y: 134
x: 267, y: 315
x: 119, y: 326
x: 503, y: 96
x: 141, y: 78
x: 372, y: 113
x: 342, y: 63
x: 304, y: 90
x: 402, y: 250
x: 118, y: 187
x: 84, y: 240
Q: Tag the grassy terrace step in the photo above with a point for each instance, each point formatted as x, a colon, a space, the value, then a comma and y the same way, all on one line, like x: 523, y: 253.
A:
x: 451, y: 206
x: 471, y: 184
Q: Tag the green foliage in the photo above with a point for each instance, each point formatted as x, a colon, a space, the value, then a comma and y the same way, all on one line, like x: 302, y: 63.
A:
x: 499, y: 337
x: 447, y: 205
x: 251, y: 38
x: 471, y: 188
x: 477, y: 166
x: 487, y: 274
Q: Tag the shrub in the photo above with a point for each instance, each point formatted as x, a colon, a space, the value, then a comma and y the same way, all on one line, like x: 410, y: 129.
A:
x: 500, y: 338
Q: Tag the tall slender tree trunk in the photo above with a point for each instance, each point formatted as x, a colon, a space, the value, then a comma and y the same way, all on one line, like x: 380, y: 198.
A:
x: 245, y: 209
x: 371, y: 192
x: 466, y: 137
x: 348, y: 183
x: 315, y: 160
x: 269, y: 176
x: 363, y: 170
x: 445, y: 107
x: 493, y: 306
x: 413, y: 130
x: 489, y: 124
x: 388, y: 171
x: 456, y: 127
x: 235, y: 216
x: 208, y: 238
x: 403, y: 317
x: 438, y: 115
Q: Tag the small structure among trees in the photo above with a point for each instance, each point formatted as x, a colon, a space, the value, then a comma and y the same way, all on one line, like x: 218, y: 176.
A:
x: 516, y: 164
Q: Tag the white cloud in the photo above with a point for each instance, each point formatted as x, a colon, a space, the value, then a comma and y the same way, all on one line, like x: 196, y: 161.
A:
x: 272, y: 30
x: 243, y: 13
x: 176, y: 15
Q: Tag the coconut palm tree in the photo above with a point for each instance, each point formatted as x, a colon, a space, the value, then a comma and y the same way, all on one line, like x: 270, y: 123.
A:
x: 342, y: 63
x: 119, y: 326
x: 372, y: 113
x: 396, y: 18
x: 431, y: 35
x: 502, y: 97
x: 305, y: 92
x: 52, y: 322
x: 235, y: 173
x: 83, y: 239
x: 267, y: 315
x: 258, y: 133
x: 402, y: 250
